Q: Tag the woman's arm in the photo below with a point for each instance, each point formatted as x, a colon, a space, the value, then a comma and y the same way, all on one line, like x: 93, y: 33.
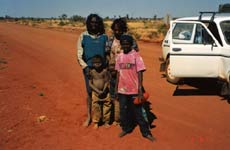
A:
x: 80, y: 52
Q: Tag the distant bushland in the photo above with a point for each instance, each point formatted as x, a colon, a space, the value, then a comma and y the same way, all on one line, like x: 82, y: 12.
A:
x: 144, y: 29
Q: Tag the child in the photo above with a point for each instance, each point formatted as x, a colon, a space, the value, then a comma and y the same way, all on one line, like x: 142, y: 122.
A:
x: 130, y: 68
x: 114, y: 99
x: 119, y: 28
x: 99, y: 82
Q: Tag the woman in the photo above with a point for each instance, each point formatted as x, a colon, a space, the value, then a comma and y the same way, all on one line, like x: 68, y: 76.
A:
x: 90, y: 43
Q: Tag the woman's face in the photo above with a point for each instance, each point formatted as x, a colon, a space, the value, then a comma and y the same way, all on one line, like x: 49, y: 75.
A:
x: 94, y: 25
x: 117, y: 32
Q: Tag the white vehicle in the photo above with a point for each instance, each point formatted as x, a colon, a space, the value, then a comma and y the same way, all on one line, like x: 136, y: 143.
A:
x: 197, y: 47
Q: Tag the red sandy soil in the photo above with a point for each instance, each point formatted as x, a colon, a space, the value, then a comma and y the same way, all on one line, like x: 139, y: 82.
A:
x: 40, y: 76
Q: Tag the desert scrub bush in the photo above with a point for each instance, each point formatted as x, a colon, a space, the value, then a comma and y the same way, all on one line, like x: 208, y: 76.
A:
x: 79, y: 25
x: 148, y: 24
x: 26, y: 22
x: 77, y: 18
x: 162, y: 28
x: 135, y: 34
x: 72, y: 24
x: 50, y: 23
x: 152, y: 34
x: 34, y: 24
x: 62, y: 23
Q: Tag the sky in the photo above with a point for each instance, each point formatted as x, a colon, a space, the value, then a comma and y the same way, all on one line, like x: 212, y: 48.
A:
x: 107, y: 8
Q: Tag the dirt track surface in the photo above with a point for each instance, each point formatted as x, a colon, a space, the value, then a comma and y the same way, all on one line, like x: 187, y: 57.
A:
x: 39, y: 76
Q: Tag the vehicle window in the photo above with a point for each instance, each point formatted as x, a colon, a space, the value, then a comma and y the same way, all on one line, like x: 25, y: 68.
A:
x: 225, y: 27
x: 202, y: 36
x: 198, y: 35
x: 182, y: 31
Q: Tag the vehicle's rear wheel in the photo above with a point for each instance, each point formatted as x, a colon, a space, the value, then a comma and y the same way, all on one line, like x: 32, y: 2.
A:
x: 169, y: 76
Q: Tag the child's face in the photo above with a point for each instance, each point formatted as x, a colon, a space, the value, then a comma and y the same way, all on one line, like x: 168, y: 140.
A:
x: 117, y: 32
x: 126, y: 46
x: 112, y: 70
x: 97, y: 65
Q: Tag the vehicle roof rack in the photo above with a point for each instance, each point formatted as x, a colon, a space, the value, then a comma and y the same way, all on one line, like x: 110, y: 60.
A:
x: 208, y: 12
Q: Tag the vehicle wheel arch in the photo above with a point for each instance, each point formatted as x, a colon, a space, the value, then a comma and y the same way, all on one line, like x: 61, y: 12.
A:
x: 169, y: 77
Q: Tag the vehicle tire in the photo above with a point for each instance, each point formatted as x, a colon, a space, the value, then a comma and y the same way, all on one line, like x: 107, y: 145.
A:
x: 169, y: 77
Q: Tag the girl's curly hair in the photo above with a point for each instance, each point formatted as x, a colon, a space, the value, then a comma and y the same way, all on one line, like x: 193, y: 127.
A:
x: 121, y: 23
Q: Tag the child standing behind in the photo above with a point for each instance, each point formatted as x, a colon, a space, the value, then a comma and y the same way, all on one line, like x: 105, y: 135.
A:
x: 99, y: 82
x: 114, y: 99
x: 130, y: 68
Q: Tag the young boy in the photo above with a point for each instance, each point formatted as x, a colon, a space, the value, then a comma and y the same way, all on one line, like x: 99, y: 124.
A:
x: 130, y: 68
x: 99, y: 82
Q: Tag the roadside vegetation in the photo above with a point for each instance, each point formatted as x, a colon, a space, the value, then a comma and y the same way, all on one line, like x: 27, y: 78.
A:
x: 144, y: 29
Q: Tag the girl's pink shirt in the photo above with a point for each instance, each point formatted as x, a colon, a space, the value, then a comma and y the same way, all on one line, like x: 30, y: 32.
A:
x: 128, y: 66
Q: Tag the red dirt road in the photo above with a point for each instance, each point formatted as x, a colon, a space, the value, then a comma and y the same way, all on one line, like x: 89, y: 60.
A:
x: 39, y: 76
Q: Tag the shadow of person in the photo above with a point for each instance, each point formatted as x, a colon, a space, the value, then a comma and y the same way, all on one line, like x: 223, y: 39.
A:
x: 150, y: 115
x: 227, y: 98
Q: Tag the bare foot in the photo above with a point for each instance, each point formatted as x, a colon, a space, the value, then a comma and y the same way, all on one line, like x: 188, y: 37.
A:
x: 95, y: 126
x: 106, y: 125
x: 115, y: 123
x: 87, y: 122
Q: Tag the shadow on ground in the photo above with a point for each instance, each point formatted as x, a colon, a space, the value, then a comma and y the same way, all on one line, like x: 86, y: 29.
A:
x: 200, y: 86
x: 150, y: 115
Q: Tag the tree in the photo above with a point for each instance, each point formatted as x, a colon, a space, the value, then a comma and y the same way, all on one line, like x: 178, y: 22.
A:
x: 155, y: 17
x: 76, y: 18
x: 64, y: 16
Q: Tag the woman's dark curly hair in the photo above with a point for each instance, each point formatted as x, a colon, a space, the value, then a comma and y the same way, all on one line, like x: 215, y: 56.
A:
x: 101, y: 27
x: 121, y: 23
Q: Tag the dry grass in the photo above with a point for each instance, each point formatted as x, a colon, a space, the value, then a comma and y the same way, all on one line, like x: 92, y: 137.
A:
x: 145, y: 30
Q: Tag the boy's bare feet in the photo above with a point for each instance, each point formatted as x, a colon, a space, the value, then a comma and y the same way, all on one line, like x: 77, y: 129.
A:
x: 107, y: 125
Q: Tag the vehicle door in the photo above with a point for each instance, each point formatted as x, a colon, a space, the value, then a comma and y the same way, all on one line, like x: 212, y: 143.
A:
x: 165, y: 45
x: 194, y: 51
